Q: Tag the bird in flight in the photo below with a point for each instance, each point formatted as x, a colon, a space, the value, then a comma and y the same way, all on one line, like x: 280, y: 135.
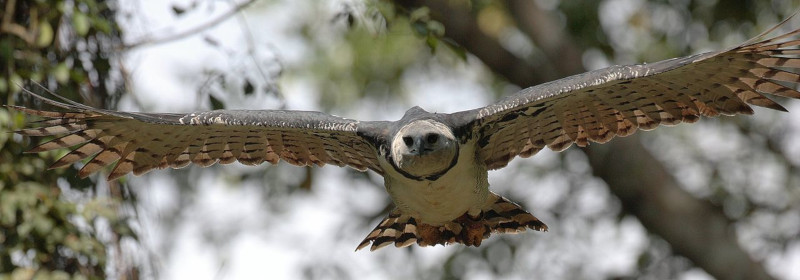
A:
x: 435, y: 165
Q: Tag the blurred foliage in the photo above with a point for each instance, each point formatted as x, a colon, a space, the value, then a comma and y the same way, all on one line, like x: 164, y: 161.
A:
x: 660, y: 29
x: 356, y: 65
x: 52, y: 224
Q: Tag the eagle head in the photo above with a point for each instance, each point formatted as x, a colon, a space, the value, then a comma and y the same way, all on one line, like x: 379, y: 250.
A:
x: 424, y: 148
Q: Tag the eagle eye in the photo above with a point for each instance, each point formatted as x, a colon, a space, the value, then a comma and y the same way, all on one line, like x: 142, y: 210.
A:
x: 432, y: 138
x: 408, y: 140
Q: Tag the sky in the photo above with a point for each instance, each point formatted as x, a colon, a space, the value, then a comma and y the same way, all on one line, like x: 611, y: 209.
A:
x: 264, y: 243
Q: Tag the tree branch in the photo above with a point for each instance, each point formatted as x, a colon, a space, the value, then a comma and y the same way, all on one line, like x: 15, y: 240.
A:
x: 461, y: 26
x: 153, y: 40
x: 549, y: 36
x: 695, y: 228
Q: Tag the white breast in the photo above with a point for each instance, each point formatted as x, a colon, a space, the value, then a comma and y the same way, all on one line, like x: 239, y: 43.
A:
x: 463, y: 188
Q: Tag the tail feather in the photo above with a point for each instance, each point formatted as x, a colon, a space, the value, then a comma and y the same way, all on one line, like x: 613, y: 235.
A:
x: 501, y: 216
x: 395, y: 228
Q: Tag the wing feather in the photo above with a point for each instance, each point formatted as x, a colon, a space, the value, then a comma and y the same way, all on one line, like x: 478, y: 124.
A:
x: 140, y: 142
x: 617, y: 101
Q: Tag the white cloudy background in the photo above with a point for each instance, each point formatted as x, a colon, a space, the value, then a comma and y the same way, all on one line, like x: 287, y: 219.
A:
x: 237, y: 222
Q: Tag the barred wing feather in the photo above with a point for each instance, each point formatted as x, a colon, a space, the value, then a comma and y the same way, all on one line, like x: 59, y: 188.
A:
x: 140, y: 142
x: 617, y: 101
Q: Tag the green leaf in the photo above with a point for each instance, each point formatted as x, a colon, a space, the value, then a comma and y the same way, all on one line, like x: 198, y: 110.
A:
x: 59, y: 275
x: 386, y: 9
x: 3, y: 85
x: 99, y: 207
x: 72, y: 242
x: 420, y: 14
x: 432, y: 43
x: 178, y: 10
x: 216, y: 104
x: 123, y: 229
x: 102, y: 25
x: 7, y: 209
x: 81, y: 23
x: 248, y: 87
x: 23, y: 273
x: 43, y: 225
x: 456, y: 48
x: 24, y: 228
x: 16, y: 83
x: 420, y: 28
x: 436, y: 28
x: 61, y: 73
x: 45, y: 34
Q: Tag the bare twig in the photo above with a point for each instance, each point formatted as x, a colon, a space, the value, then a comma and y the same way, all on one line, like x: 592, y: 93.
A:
x: 172, y: 37
x: 248, y: 35
x: 29, y: 35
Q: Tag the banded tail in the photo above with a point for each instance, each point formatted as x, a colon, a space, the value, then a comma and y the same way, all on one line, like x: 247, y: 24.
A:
x: 502, y: 217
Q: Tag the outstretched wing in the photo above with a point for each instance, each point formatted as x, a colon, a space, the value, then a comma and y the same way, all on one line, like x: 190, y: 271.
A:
x: 140, y: 142
x: 598, y: 105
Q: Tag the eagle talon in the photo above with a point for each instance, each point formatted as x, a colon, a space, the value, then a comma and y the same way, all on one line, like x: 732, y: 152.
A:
x: 474, y: 229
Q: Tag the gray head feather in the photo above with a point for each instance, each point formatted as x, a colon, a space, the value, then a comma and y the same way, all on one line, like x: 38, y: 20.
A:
x: 424, y: 147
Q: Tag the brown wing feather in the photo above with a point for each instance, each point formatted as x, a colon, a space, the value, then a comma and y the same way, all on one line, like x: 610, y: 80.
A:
x: 138, y: 143
x: 617, y: 101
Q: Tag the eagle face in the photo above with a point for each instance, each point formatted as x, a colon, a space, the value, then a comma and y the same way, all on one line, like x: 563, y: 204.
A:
x: 424, y: 148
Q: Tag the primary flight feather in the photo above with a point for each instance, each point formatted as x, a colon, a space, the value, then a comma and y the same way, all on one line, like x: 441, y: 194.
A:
x: 435, y: 166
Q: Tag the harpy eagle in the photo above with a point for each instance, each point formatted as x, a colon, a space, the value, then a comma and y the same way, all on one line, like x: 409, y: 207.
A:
x: 435, y: 165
